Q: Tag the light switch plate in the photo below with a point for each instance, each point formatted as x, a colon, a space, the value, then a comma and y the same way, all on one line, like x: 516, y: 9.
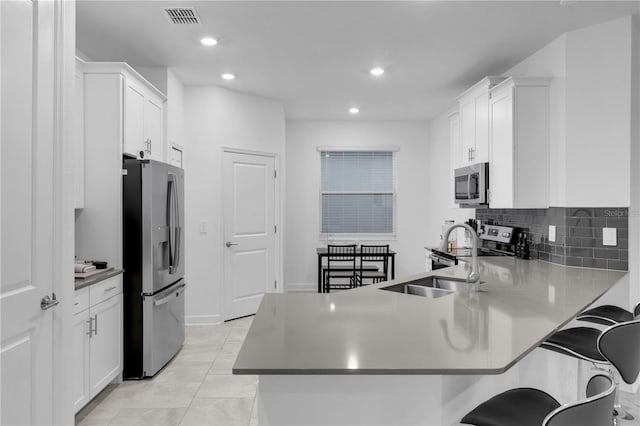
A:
x: 203, y: 227
x: 609, y: 237
x: 552, y: 233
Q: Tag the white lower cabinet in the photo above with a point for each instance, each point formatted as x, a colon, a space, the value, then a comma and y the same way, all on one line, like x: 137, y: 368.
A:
x: 81, y: 394
x: 97, y: 339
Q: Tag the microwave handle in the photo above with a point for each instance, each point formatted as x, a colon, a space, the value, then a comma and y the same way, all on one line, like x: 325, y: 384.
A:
x: 469, y: 186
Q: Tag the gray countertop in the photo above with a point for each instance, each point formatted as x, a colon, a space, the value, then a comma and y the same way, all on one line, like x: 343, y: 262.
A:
x: 94, y: 279
x: 373, y: 331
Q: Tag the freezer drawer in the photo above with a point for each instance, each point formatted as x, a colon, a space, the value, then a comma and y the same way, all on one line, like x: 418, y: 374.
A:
x: 163, y: 332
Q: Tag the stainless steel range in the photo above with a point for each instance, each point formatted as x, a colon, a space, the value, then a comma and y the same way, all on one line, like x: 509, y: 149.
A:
x: 495, y: 240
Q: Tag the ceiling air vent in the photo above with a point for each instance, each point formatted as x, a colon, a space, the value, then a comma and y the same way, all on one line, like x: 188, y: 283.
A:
x: 182, y: 15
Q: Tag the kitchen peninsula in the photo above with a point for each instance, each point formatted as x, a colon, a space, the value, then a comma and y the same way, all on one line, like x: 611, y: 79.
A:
x: 370, y: 356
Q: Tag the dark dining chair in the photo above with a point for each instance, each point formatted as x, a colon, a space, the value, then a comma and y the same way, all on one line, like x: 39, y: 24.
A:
x: 341, y: 267
x: 376, y: 256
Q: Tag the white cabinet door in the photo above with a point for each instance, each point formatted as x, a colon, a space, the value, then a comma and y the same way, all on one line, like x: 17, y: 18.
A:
x: 106, y: 343
x: 134, y: 106
x: 501, y: 164
x: 480, y: 150
x: 467, y: 131
x: 81, y: 394
x: 153, y: 128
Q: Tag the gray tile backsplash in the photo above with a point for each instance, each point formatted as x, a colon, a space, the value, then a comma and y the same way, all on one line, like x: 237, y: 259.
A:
x: 578, y: 234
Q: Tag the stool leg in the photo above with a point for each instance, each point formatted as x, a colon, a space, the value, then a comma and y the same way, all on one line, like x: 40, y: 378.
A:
x: 619, y: 411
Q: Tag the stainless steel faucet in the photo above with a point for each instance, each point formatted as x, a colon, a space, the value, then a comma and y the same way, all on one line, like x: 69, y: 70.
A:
x: 474, y: 275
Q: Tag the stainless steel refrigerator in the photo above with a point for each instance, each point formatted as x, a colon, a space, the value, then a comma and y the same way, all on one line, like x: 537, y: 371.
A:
x: 153, y: 241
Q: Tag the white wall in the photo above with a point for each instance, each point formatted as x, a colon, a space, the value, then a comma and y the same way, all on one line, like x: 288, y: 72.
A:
x: 440, y: 188
x: 154, y: 75
x: 302, y: 211
x: 590, y: 113
x: 598, y: 114
x: 216, y: 118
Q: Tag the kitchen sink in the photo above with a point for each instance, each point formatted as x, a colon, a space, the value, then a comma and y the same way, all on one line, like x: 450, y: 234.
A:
x: 432, y: 287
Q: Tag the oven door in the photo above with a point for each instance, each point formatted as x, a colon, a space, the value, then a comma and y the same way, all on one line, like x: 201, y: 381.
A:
x: 440, y: 262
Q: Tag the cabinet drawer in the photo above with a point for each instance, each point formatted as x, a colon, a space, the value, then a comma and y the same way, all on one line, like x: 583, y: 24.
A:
x: 81, y: 300
x: 104, y: 290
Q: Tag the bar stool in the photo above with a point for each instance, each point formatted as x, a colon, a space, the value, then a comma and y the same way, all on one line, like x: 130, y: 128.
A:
x: 618, y: 345
x: 533, y: 407
x: 609, y: 314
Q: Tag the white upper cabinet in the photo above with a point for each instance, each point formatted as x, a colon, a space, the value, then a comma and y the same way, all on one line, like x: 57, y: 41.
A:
x: 142, y: 108
x: 519, y: 144
x: 474, y: 123
x: 143, y: 121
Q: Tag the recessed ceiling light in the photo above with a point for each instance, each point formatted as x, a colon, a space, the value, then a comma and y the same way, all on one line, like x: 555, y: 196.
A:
x: 228, y: 76
x: 377, y: 71
x: 209, y: 41
x: 354, y: 110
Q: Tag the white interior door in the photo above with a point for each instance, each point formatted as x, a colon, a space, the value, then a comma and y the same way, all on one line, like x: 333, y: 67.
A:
x: 249, y: 231
x: 27, y: 212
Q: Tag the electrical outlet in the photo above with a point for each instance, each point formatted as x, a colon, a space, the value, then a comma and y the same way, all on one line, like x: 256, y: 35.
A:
x: 552, y: 233
x: 609, y: 237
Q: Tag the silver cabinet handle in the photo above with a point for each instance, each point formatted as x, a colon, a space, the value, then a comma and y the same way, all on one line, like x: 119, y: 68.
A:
x: 95, y: 322
x: 89, y: 333
x: 110, y: 288
x: 229, y: 244
x: 48, y: 302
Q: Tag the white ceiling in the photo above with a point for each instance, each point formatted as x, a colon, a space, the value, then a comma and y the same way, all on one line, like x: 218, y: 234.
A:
x: 315, y: 56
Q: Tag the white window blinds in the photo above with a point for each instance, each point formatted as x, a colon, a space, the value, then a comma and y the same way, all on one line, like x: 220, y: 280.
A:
x: 357, y: 192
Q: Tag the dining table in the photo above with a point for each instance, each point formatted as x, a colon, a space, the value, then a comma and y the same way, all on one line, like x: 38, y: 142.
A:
x: 324, y: 252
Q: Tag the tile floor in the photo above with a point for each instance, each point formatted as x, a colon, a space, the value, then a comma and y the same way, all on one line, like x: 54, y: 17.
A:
x: 195, y: 388
x: 198, y: 389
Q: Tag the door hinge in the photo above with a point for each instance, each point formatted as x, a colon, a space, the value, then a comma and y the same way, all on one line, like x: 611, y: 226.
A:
x: 125, y: 172
x: 275, y: 174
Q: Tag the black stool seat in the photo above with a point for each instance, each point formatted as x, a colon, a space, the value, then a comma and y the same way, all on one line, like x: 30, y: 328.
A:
x: 515, y: 407
x: 606, y: 315
x: 580, y: 342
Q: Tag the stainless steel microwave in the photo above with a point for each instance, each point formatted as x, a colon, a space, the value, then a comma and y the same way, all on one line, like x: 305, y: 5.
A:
x: 471, y: 185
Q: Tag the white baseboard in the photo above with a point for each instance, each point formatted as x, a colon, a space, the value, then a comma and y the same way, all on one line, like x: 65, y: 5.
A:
x: 203, y: 319
x: 303, y: 287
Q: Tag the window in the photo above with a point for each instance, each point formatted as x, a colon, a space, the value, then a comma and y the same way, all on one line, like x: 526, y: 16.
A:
x: 357, y: 192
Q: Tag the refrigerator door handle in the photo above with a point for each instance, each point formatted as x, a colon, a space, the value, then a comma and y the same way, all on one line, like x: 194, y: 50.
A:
x: 177, y: 227
x: 171, y: 190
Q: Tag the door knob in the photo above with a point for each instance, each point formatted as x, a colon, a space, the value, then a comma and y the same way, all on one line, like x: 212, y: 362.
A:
x: 48, y: 302
x: 229, y: 244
